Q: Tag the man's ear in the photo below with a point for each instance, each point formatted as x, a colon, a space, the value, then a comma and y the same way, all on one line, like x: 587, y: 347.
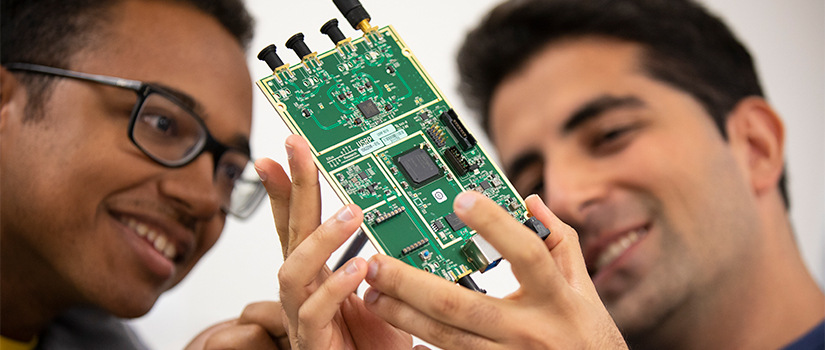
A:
x: 757, y: 136
x: 12, y: 97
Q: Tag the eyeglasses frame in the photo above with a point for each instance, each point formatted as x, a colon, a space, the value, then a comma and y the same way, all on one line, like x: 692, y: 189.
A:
x: 143, y: 90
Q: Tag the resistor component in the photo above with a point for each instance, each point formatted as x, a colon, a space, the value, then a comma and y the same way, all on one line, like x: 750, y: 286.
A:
x: 412, y: 247
x: 386, y: 216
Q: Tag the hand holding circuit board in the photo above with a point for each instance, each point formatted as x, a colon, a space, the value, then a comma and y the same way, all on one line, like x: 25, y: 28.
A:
x: 324, y: 313
x: 386, y: 139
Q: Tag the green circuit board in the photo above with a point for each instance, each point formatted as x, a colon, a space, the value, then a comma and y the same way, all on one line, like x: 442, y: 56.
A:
x: 387, y: 140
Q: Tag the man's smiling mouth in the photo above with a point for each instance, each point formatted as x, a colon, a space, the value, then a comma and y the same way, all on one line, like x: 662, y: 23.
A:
x: 156, y: 239
x: 615, y: 249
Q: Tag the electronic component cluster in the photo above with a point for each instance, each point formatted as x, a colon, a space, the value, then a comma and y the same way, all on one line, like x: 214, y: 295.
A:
x: 387, y: 140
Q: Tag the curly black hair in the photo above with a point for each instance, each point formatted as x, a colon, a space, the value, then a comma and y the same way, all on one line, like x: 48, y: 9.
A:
x: 50, y: 32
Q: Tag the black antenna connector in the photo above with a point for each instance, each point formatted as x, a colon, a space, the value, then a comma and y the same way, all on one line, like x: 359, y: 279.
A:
x: 467, y: 282
x: 296, y: 43
x: 271, y: 58
x: 352, y: 11
x: 331, y: 29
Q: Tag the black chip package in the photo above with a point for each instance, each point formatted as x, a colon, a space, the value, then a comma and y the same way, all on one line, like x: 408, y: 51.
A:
x: 437, y: 225
x: 368, y: 108
x: 419, y: 166
x: 485, y: 185
x: 362, y: 175
x: 454, y: 222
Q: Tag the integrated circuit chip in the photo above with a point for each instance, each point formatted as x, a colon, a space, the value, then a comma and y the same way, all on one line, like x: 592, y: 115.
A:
x: 419, y: 166
x: 437, y: 225
x: 368, y: 109
x: 454, y: 222
x: 388, y: 140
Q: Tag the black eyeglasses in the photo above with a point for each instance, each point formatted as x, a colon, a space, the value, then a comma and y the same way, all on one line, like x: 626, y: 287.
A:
x: 164, y: 126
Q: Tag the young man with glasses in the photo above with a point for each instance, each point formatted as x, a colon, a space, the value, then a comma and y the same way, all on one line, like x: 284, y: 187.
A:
x: 642, y: 124
x: 124, y: 140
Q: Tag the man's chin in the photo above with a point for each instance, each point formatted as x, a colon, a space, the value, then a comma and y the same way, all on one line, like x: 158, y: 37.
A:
x: 132, y: 311
x: 131, y: 303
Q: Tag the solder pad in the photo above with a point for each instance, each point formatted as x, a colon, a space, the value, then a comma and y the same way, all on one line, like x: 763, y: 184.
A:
x: 387, y: 140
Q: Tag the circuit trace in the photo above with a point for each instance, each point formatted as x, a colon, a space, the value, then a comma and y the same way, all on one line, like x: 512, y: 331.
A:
x: 386, y: 139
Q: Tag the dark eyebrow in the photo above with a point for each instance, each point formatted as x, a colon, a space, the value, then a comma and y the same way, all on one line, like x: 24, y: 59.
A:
x: 238, y: 142
x: 523, y: 161
x: 188, y: 101
x: 241, y: 143
x: 597, y: 107
x: 588, y: 111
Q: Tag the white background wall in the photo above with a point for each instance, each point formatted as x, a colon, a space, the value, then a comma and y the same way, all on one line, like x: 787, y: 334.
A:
x: 786, y: 37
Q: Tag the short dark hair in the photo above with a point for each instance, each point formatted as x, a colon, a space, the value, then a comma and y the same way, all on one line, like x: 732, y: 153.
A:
x: 51, y: 32
x: 682, y: 45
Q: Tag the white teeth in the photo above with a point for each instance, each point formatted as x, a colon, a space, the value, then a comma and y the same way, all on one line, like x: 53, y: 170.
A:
x: 151, y: 235
x: 160, y: 242
x: 141, y: 229
x: 170, y: 251
x: 617, y: 248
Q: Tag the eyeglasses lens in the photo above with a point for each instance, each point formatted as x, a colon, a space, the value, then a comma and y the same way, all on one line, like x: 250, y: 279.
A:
x: 172, y: 135
x: 167, y: 131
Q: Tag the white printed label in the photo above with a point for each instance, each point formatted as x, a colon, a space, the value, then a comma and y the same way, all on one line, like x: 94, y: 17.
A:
x: 378, y: 134
x: 394, y: 137
x: 370, y: 147
x: 439, y: 196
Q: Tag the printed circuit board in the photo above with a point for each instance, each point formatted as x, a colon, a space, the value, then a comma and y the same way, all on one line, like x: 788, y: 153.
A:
x: 386, y: 139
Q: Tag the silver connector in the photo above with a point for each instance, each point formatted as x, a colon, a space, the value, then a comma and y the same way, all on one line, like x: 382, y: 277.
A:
x: 481, y: 253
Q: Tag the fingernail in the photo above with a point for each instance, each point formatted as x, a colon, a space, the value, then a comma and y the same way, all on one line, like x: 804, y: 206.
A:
x: 465, y: 201
x: 351, y: 268
x: 261, y: 173
x: 289, y: 150
x: 372, y: 270
x: 345, y: 214
x: 371, y: 295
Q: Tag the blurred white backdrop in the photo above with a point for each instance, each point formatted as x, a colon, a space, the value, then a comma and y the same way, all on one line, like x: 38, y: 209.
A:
x: 786, y: 37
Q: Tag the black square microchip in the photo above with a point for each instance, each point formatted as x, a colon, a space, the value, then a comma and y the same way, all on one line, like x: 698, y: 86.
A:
x: 437, y: 225
x: 368, y: 109
x: 485, y: 184
x: 419, y: 166
x: 454, y: 222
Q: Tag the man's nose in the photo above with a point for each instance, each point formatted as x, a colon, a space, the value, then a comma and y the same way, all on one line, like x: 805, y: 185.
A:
x: 572, y: 187
x: 193, y: 186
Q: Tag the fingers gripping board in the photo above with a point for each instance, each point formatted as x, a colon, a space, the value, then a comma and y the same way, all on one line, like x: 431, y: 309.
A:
x: 387, y: 140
